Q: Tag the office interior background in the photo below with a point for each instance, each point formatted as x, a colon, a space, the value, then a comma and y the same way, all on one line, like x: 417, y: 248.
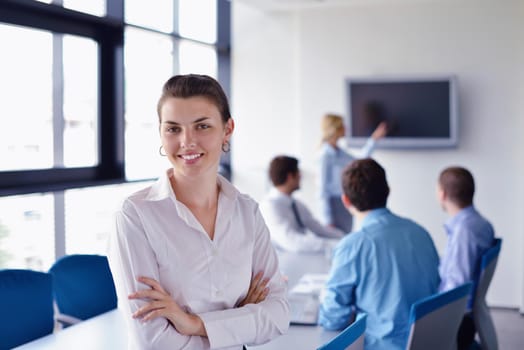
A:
x: 79, y: 124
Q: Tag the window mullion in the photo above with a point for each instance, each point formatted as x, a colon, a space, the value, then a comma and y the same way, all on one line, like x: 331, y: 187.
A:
x: 58, y: 101
x: 175, y: 38
x: 59, y: 223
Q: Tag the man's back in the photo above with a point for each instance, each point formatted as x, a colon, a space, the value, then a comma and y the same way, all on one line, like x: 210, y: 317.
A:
x: 470, y: 235
x: 382, y: 269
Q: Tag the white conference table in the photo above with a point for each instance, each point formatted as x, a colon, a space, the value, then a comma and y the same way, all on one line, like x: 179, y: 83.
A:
x: 300, y: 337
x: 108, y: 331
x: 105, y: 331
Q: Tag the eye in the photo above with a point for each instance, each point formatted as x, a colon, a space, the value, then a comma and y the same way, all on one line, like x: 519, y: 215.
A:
x: 173, y: 129
x: 203, y: 126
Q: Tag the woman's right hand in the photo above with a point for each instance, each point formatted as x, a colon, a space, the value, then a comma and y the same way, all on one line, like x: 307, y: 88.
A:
x: 380, y: 131
x: 257, y: 292
x: 160, y: 304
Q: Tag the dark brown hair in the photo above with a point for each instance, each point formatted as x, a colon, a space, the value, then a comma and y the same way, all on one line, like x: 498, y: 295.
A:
x: 364, y: 183
x: 280, y: 167
x: 190, y: 85
x: 459, y: 185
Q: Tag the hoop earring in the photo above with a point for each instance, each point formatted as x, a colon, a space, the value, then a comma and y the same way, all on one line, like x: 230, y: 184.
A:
x: 226, y: 147
x: 160, y: 151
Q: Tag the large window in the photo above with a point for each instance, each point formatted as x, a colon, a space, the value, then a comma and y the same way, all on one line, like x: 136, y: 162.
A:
x: 180, y: 37
x: 81, y: 81
x: 26, y: 134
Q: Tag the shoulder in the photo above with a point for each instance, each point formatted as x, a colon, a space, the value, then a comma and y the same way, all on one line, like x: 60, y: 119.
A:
x: 272, y: 202
x: 246, y: 201
x: 392, y: 223
x: 469, y: 222
x: 353, y: 242
x: 413, y: 224
x: 135, y: 199
x: 242, y: 200
x: 475, y: 218
x: 326, y: 151
x: 418, y: 232
x: 404, y: 221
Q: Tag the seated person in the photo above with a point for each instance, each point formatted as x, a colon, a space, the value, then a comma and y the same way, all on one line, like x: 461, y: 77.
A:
x: 291, y: 224
x: 381, y: 268
x: 469, y: 236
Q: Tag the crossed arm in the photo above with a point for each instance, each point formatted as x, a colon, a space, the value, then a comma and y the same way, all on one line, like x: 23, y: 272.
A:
x: 161, y: 304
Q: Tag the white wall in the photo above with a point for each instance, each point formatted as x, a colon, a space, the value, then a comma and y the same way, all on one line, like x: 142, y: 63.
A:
x: 289, y: 69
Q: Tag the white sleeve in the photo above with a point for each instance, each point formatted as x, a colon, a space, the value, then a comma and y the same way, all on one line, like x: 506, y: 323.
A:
x: 364, y: 152
x: 131, y: 255
x: 368, y: 148
x: 253, y: 323
x: 315, y: 226
x: 285, y: 235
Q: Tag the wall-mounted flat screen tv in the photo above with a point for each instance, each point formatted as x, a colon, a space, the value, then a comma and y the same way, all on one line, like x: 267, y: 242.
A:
x: 420, y: 112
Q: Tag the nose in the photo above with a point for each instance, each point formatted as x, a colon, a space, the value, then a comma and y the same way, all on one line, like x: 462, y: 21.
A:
x: 187, y: 140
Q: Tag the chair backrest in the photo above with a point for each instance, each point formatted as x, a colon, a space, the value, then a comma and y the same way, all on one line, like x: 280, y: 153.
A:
x: 434, y: 321
x: 83, y: 285
x: 351, y: 338
x: 26, y: 303
x: 481, y: 314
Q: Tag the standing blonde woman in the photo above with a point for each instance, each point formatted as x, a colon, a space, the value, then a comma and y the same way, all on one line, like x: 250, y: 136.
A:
x: 333, y: 160
x: 192, y: 258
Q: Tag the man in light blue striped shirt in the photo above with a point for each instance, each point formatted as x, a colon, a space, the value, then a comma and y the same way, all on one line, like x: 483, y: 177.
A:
x: 469, y: 236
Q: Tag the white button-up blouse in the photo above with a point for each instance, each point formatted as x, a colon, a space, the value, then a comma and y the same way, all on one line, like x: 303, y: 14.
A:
x: 158, y: 237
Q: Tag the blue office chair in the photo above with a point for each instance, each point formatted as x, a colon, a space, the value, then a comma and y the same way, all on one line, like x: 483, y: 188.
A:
x: 351, y: 338
x: 434, y: 321
x: 26, y: 303
x: 481, y: 314
x: 83, y: 287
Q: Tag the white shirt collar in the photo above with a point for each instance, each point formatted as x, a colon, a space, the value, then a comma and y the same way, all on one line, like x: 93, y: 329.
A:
x: 274, y: 193
x: 162, y: 189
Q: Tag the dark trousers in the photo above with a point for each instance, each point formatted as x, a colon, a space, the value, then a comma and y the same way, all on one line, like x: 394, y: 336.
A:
x: 342, y: 219
x: 466, y: 332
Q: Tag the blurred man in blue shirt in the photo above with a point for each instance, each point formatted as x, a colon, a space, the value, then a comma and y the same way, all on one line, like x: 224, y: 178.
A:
x: 382, y: 268
x: 469, y: 237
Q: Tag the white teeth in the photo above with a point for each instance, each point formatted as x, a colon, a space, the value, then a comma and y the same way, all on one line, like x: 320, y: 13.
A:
x: 190, y: 156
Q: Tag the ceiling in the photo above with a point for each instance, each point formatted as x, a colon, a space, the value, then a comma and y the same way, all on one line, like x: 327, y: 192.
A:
x: 290, y: 5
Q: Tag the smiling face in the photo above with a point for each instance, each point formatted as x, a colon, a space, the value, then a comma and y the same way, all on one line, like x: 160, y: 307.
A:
x: 192, y: 132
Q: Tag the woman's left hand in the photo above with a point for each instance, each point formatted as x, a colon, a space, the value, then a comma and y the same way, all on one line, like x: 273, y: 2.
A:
x: 257, y: 292
x: 160, y: 304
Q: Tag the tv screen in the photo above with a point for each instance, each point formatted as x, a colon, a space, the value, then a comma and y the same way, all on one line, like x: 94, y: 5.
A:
x: 420, y: 112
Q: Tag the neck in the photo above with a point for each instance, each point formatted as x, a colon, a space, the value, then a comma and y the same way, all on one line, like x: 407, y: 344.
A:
x: 452, y: 209
x: 332, y: 141
x: 285, y: 189
x: 360, y: 215
x: 196, y: 192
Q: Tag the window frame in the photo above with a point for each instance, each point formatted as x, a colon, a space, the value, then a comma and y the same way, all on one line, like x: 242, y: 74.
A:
x: 108, y: 33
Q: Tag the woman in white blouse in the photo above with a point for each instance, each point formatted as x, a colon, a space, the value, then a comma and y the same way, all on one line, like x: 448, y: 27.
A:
x: 192, y: 258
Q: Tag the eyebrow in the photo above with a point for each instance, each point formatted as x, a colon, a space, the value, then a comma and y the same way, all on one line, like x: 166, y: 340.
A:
x: 194, y: 122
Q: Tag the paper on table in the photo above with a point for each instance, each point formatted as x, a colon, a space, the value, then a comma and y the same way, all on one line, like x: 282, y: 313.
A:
x: 310, y: 283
